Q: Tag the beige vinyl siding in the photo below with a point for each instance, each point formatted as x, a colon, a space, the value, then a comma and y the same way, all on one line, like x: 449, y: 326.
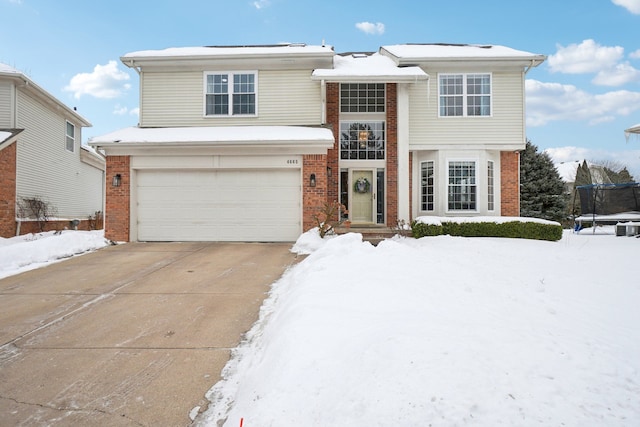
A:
x: 505, y: 126
x: 47, y: 170
x: 6, y: 102
x: 177, y: 99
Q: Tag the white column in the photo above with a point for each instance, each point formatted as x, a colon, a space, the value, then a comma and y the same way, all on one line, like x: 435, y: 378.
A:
x: 403, y: 151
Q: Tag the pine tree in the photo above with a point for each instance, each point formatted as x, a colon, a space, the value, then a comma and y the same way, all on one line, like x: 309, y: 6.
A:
x: 541, y: 188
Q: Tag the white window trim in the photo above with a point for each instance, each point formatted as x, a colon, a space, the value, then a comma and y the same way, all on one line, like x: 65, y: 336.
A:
x: 476, y: 161
x: 67, y: 136
x: 230, y: 93
x: 363, y: 113
x: 435, y: 186
x: 491, y: 184
x: 465, y: 95
x: 360, y: 162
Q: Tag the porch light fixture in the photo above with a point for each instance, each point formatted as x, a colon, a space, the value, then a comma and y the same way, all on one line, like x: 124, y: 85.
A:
x: 312, y: 180
x: 117, y: 179
x: 329, y: 171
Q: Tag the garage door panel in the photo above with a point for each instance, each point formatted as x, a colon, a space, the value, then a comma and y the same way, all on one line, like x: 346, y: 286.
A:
x: 221, y: 205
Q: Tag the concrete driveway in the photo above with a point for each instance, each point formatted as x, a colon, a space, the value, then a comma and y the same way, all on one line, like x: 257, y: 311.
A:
x: 131, y: 335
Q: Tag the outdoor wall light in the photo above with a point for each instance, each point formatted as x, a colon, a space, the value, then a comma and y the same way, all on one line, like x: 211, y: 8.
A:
x: 117, y: 179
x: 329, y: 171
x: 312, y: 180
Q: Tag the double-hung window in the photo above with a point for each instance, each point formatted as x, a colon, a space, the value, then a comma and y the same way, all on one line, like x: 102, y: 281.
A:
x: 462, y: 186
x: 230, y: 94
x: 70, y: 137
x: 464, y: 95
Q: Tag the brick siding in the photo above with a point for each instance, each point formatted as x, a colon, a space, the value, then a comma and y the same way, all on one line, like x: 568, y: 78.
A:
x: 8, y: 190
x: 392, y: 155
x: 333, y: 120
x: 313, y: 198
x: 509, y: 183
x: 117, y: 210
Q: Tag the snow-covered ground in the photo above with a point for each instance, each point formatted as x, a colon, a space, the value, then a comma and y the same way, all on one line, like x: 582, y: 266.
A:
x: 22, y: 253
x: 443, y: 331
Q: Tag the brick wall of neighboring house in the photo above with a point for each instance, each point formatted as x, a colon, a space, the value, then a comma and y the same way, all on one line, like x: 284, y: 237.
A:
x: 509, y: 183
x: 117, y: 210
x: 392, y: 155
x: 313, y: 198
x: 333, y: 120
x: 8, y: 191
x: 32, y: 226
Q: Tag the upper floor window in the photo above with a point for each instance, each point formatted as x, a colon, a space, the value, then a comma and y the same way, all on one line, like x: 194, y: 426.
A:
x: 362, y: 98
x: 462, y: 186
x: 230, y: 94
x: 70, y: 138
x: 464, y: 94
x: 362, y: 140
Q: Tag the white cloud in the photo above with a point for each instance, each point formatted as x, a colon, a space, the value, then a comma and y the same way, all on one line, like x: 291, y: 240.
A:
x: 548, y: 102
x: 106, y: 82
x: 370, y: 28
x: 120, y: 110
x: 619, y: 75
x: 632, y: 6
x: 260, y: 4
x: 635, y: 55
x: 586, y: 57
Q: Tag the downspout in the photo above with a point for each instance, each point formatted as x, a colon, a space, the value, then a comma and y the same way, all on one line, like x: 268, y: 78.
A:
x: 132, y: 64
x: 323, y: 97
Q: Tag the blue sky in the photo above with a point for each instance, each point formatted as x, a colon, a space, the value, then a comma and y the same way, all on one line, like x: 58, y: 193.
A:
x: 579, y: 101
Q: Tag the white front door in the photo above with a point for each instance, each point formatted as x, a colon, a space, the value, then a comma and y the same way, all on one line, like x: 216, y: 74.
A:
x: 363, y: 191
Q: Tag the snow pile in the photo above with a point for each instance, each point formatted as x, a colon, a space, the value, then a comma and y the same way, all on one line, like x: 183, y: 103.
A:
x: 22, y: 253
x: 443, y: 331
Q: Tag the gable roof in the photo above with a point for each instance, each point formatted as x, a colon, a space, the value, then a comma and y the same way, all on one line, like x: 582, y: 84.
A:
x: 7, y: 137
x: 272, y: 56
x: 411, y: 53
x: 32, y: 87
x: 370, y: 67
x: 306, y: 140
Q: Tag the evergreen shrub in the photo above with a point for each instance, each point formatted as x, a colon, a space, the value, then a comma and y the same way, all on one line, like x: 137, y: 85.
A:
x: 511, y: 229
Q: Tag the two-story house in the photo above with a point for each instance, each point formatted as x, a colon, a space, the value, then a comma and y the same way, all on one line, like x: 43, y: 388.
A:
x: 248, y: 142
x: 42, y: 159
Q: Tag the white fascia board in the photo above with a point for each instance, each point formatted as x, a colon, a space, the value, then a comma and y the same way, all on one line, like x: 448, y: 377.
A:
x: 33, y: 88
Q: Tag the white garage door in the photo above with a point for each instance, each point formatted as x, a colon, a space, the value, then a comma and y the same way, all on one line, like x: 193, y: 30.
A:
x: 221, y: 205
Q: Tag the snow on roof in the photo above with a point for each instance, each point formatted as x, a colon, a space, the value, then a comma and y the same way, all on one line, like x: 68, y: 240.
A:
x: 633, y: 129
x: 211, y: 134
x: 448, y: 51
x: 4, y: 68
x: 4, y: 135
x: 373, y: 66
x: 281, y: 49
x: 568, y: 170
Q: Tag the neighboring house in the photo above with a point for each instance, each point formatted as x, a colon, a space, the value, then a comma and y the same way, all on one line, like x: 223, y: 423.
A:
x: 41, y: 158
x: 569, y: 170
x: 247, y: 143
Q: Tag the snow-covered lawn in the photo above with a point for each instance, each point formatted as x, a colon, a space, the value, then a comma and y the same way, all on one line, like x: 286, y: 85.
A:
x: 444, y: 331
x: 22, y: 253
x: 440, y: 331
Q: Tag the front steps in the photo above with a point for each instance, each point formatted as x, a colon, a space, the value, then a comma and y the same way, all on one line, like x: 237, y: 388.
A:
x: 370, y: 233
